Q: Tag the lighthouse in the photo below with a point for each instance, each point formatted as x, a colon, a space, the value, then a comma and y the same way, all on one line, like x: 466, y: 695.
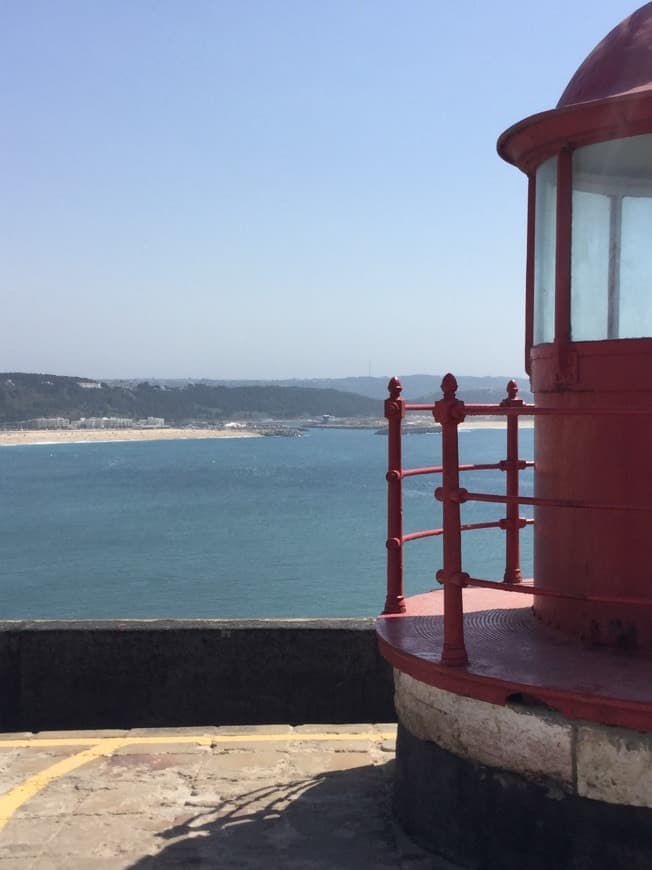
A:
x: 525, y: 704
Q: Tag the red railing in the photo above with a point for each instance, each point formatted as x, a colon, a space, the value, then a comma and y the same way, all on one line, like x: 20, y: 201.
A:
x: 449, y: 412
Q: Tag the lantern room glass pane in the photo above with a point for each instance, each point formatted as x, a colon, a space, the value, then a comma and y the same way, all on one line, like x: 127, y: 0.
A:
x: 545, y: 242
x: 589, y: 266
x: 635, y: 320
x: 611, y: 258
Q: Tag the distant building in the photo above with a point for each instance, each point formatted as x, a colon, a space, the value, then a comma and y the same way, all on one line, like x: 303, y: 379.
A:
x: 151, y: 423
x: 48, y: 423
x: 89, y: 385
x: 104, y: 423
x: 88, y: 423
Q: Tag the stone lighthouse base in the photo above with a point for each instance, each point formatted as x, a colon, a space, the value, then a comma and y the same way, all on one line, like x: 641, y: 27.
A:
x: 519, y: 786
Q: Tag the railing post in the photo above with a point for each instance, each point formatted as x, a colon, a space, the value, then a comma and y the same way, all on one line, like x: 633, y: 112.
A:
x: 512, y: 524
x: 394, y: 412
x: 449, y: 413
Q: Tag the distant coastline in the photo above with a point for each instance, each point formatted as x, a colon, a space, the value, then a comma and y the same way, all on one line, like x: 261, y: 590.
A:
x: 527, y: 423
x: 13, y: 438
x: 82, y: 436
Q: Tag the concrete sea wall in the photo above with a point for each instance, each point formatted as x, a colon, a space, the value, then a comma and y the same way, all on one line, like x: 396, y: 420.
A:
x: 139, y: 673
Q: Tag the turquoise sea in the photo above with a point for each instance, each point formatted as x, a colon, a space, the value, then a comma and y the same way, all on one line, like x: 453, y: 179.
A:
x: 227, y: 528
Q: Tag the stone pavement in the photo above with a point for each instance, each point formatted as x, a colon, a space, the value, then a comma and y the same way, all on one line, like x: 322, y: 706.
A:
x: 309, y: 797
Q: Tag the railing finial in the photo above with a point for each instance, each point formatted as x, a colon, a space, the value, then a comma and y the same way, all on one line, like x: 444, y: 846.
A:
x: 395, y: 388
x: 512, y: 399
x: 449, y: 386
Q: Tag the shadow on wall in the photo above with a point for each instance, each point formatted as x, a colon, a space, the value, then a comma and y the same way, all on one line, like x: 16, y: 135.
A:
x: 333, y: 820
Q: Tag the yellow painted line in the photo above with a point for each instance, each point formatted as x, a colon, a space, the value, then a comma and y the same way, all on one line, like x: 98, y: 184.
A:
x: 17, y: 796
x: 200, y: 739
x: 34, y: 742
x: 20, y: 794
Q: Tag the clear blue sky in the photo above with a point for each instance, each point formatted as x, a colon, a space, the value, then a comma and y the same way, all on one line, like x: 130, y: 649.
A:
x: 257, y: 189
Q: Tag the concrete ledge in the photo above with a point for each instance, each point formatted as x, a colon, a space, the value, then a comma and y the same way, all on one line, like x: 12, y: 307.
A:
x: 147, y: 673
x: 614, y: 765
x: 535, y: 743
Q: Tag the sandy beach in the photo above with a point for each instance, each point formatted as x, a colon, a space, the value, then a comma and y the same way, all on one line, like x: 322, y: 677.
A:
x: 81, y: 436
x: 527, y: 423
x: 471, y: 424
x: 84, y: 436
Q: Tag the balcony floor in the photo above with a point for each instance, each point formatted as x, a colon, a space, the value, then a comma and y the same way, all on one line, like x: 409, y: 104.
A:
x: 511, y: 653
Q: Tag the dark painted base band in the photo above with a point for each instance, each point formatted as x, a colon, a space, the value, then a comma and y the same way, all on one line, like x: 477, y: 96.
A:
x: 482, y: 818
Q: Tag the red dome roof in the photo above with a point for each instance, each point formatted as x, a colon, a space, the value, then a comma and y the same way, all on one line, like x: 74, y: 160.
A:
x: 609, y: 97
x: 620, y: 64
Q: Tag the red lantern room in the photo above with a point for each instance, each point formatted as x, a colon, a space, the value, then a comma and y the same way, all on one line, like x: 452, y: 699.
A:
x: 525, y: 705
x: 589, y: 335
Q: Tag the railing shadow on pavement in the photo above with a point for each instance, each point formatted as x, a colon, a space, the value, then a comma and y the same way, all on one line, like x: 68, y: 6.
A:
x: 338, y: 819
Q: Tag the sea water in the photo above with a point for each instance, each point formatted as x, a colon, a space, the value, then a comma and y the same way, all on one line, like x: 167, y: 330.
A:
x: 263, y: 527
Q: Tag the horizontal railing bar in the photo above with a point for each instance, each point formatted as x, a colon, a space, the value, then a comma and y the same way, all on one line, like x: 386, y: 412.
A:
x: 415, y: 536
x: 528, y: 588
x: 497, y: 411
x: 437, y: 469
x: 481, y: 466
x: 469, y: 527
x: 466, y: 527
x: 616, y: 599
x: 551, y: 502
x: 525, y: 586
x: 536, y: 411
x: 412, y: 472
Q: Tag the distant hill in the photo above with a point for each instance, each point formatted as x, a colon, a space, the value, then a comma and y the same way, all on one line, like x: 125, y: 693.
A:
x: 416, y: 388
x: 26, y: 396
